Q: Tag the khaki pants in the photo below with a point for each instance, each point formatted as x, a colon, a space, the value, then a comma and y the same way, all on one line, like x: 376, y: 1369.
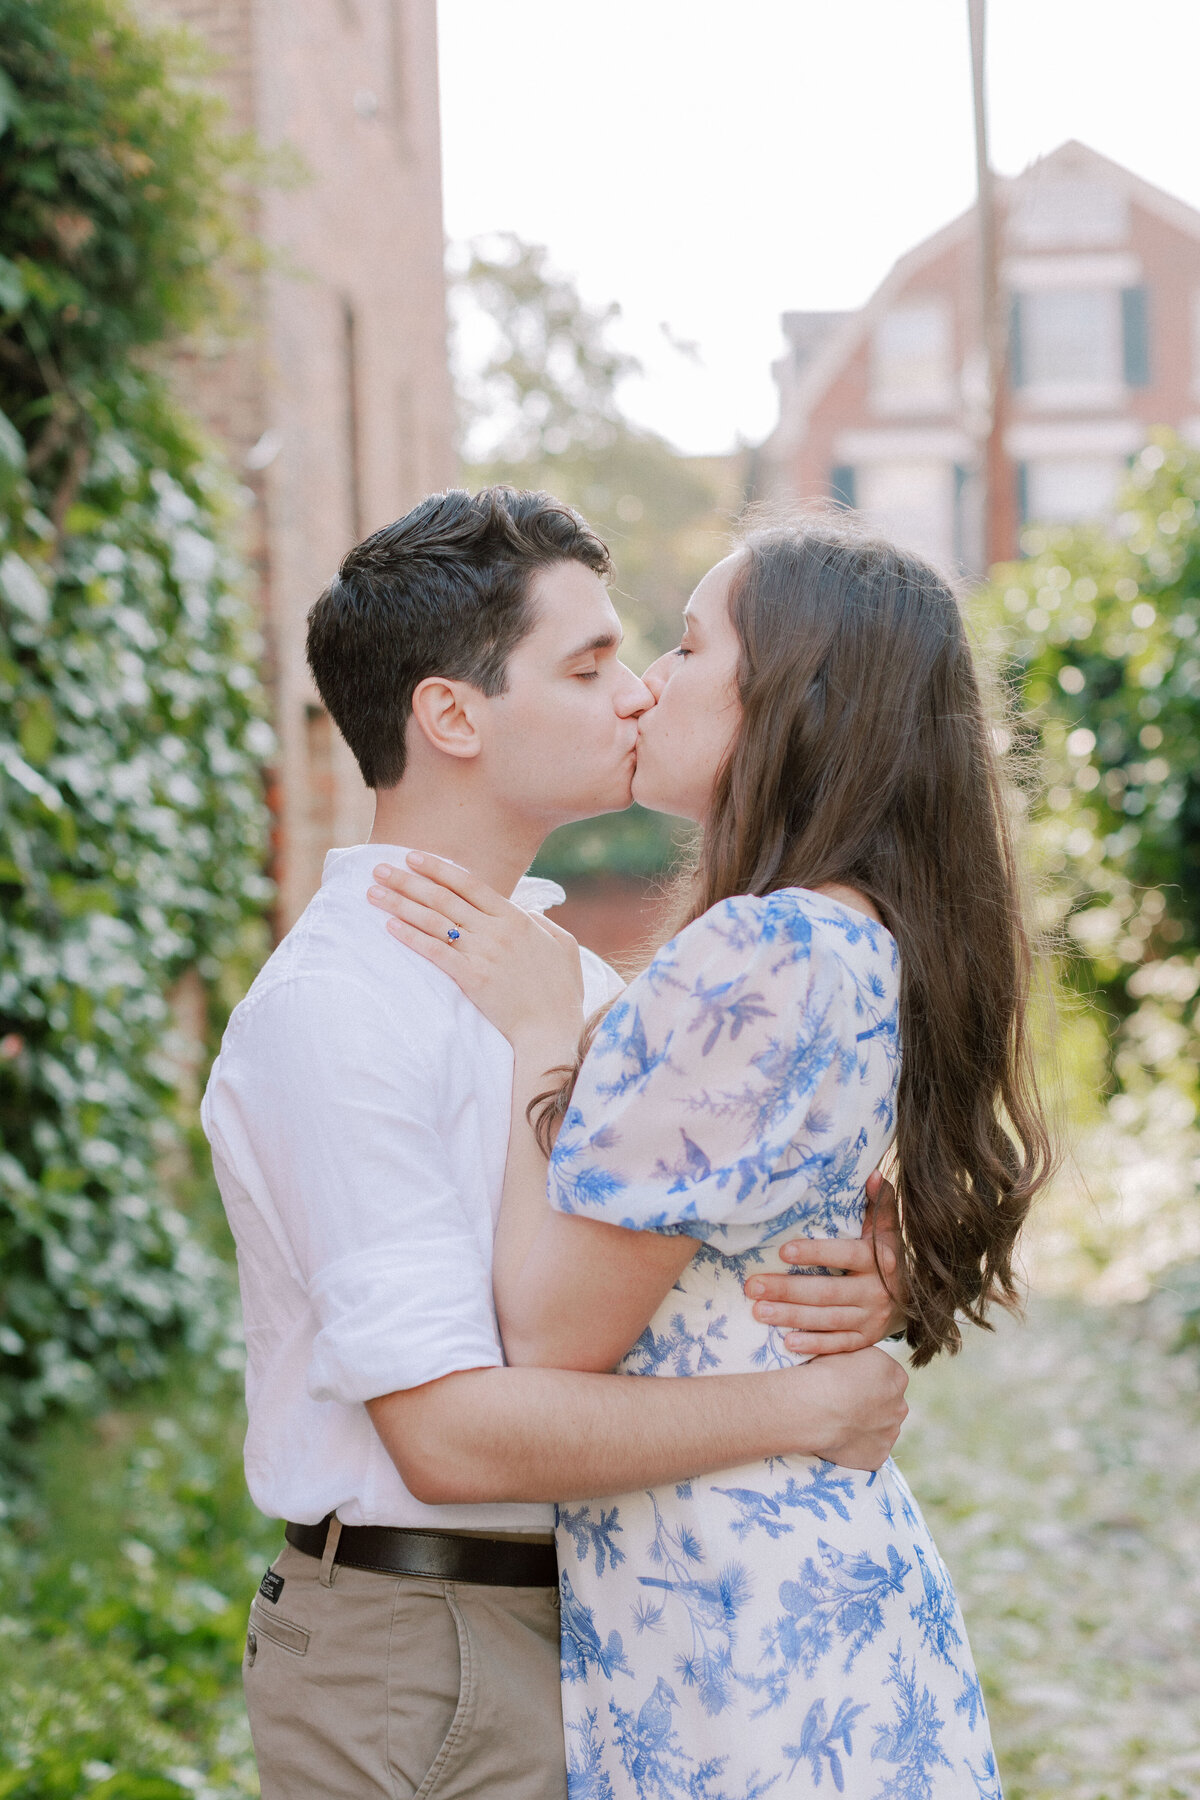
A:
x: 402, y: 1687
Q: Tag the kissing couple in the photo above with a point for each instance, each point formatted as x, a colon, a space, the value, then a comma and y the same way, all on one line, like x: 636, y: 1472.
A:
x: 486, y: 1197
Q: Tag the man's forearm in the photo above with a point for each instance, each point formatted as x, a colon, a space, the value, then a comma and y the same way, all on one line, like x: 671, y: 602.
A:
x: 547, y: 1434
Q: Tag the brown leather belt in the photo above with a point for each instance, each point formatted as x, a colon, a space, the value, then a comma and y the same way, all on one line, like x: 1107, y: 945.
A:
x: 441, y: 1555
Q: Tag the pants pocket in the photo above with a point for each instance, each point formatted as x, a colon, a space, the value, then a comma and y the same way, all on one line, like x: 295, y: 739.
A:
x: 429, y: 1690
x: 284, y: 1632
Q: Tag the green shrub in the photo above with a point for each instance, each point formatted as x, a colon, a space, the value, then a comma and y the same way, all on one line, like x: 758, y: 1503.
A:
x: 131, y: 718
x: 124, y: 1586
x: 1100, y: 630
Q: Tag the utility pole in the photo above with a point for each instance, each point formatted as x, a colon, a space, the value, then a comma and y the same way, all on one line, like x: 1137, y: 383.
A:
x: 996, y: 474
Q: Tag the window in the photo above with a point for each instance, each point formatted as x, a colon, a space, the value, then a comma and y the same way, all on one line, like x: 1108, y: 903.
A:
x: 912, y: 501
x: 1066, y: 337
x: 1078, y: 346
x: 1061, y: 490
x: 1053, y: 212
x: 911, y: 360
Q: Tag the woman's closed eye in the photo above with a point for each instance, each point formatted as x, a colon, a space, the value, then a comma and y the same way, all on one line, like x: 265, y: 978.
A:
x: 587, y: 674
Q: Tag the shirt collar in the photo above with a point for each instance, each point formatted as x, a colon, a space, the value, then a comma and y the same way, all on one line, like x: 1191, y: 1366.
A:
x: 355, y: 862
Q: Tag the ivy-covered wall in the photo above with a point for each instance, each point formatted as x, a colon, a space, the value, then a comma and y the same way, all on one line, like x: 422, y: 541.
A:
x: 132, y: 721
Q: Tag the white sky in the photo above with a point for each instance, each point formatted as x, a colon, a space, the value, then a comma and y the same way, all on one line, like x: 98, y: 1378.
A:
x: 712, y: 163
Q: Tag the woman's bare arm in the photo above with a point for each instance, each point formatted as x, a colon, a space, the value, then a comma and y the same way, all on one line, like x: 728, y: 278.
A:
x: 571, y: 1293
x: 559, y: 1278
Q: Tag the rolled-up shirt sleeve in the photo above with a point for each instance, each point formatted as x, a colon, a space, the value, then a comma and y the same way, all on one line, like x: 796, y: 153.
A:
x: 361, y: 1197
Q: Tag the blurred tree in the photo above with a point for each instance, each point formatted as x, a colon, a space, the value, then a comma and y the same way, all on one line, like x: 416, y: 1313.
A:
x: 539, y: 389
x: 539, y: 383
x: 132, y: 726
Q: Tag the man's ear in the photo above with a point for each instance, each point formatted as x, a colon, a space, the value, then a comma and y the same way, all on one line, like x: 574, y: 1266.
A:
x: 446, y: 713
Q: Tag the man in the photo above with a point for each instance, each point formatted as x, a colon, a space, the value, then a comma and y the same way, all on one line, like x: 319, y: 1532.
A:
x: 405, y: 1641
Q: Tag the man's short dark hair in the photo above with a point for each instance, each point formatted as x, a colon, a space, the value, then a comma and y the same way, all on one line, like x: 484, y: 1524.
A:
x: 443, y: 591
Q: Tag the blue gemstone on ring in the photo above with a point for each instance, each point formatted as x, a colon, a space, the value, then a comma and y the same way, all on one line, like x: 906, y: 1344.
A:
x: 454, y: 934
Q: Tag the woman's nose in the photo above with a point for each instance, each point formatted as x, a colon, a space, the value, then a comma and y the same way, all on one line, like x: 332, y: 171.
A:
x: 655, y: 677
x: 634, y: 696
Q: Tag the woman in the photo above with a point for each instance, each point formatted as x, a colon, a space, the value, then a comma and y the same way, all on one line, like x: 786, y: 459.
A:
x: 852, y: 969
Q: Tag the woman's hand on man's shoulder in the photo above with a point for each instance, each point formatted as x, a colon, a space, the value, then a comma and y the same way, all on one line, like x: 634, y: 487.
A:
x: 522, y: 971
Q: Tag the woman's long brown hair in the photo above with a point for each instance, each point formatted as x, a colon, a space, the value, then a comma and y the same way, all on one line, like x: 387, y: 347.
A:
x: 865, y: 757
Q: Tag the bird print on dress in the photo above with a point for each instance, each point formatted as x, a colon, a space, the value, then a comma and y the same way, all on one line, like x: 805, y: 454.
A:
x: 786, y: 1627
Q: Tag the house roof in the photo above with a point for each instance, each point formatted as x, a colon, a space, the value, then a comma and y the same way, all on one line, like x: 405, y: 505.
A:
x: 842, y: 341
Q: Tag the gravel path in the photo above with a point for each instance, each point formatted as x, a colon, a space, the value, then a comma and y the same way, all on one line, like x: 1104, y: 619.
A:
x: 1058, y: 1463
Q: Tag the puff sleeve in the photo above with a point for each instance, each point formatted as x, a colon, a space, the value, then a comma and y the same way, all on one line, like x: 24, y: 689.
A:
x: 724, y: 1095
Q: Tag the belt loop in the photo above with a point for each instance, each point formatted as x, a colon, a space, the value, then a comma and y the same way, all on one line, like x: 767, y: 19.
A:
x: 328, y: 1567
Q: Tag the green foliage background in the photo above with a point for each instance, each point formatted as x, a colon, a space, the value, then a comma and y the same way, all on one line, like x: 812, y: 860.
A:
x: 1098, y: 629
x: 132, y: 724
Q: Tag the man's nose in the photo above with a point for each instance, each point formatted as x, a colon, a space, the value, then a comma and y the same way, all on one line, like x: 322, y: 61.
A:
x: 633, y: 696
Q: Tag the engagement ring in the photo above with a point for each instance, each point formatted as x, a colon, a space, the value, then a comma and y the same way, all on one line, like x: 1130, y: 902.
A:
x: 453, y: 933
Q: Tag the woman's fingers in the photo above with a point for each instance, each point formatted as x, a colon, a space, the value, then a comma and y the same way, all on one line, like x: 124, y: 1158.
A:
x: 411, y: 912
x: 437, y: 951
x: 459, y: 881
x: 418, y: 887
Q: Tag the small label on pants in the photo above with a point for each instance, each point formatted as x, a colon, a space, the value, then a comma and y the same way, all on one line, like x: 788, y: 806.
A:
x: 271, y: 1586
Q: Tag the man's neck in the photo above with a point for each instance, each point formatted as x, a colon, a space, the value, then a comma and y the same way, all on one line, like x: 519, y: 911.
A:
x: 483, y: 840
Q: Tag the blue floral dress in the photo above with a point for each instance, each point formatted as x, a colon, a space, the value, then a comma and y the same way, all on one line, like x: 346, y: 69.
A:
x: 787, y: 1626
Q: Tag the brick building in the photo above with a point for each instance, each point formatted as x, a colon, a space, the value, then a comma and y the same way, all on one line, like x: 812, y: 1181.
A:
x: 881, y: 408
x: 333, y: 399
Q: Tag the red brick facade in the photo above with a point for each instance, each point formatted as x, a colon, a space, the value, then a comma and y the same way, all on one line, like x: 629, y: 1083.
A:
x: 882, y: 407
x: 333, y: 400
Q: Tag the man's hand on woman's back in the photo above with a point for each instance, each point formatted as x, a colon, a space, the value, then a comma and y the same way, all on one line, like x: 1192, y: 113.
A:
x: 863, y: 1393
x: 828, y: 1315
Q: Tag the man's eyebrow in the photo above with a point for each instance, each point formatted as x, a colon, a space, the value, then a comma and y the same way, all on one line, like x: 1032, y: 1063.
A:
x: 604, y: 640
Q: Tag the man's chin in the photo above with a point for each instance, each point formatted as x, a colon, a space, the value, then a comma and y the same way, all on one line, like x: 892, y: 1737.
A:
x: 617, y: 798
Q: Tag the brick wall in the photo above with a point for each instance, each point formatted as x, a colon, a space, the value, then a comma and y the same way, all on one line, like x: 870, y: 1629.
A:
x: 333, y: 397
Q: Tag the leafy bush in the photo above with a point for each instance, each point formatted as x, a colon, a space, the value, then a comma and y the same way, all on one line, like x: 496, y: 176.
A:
x: 131, y: 720
x: 1101, y: 633
x: 126, y: 1613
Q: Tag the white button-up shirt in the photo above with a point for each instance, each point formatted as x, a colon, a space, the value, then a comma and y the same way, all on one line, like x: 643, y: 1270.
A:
x: 358, y: 1115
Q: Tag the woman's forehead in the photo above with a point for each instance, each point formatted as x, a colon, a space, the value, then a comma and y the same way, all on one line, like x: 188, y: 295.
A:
x: 709, y: 601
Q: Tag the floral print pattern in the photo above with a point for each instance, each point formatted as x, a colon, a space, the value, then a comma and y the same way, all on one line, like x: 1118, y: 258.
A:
x: 785, y: 1627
